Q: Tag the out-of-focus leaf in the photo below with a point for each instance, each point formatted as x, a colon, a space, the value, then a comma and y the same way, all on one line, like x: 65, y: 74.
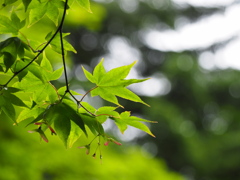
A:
x: 26, y: 3
x: 38, y: 10
x: 85, y: 4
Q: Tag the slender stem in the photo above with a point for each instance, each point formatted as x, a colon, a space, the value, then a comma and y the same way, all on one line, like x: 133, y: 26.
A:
x: 27, y: 42
x: 79, y: 103
x: 62, y: 46
x: 46, y: 45
x: 87, y: 93
x: 63, y: 60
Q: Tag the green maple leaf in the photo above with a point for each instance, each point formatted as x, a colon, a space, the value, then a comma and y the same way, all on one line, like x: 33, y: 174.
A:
x: 40, y: 9
x: 85, y: 4
x: 106, y: 111
x: 91, y: 121
x: 68, y: 123
x: 126, y: 119
x: 39, y: 76
x: 111, y: 84
x: 55, y: 43
x: 12, y: 25
x: 7, y: 101
x: 27, y: 113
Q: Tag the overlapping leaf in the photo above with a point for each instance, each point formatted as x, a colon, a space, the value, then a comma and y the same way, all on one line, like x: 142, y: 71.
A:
x: 85, y: 4
x: 126, y: 119
x: 56, y: 45
x: 7, y: 101
x: 111, y: 84
x: 91, y: 121
x: 47, y: 106
x: 12, y: 25
x: 8, y: 2
x: 106, y: 111
x: 27, y: 113
x: 40, y: 76
x: 40, y: 9
x: 67, y: 121
x: 10, y: 49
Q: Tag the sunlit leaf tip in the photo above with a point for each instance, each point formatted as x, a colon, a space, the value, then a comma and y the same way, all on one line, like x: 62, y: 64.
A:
x: 85, y: 4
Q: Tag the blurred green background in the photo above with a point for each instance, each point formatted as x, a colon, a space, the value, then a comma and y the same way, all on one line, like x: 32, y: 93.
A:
x: 190, y: 50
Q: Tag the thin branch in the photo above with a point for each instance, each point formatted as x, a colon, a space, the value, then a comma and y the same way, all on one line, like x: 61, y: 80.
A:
x: 87, y: 93
x: 79, y: 103
x: 63, y: 61
x: 62, y: 47
x: 64, y: 64
x: 46, y: 45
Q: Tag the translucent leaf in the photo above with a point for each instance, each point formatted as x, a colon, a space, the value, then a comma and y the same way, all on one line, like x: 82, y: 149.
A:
x: 125, y: 120
x: 45, y: 64
x: 34, y: 68
x: 91, y: 121
x: 85, y: 4
x: 29, y: 113
x: 6, y: 26
x: 18, y: 24
x: 41, y: 91
x: 53, y: 12
x: 48, y: 70
x: 99, y: 71
x: 116, y: 73
x: 62, y: 90
x: 88, y: 75
x: 105, y: 94
x: 56, y: 45
x: 37, y: 12
x: 74, y: 135
x: 106, y: 111
x: 111, y: 84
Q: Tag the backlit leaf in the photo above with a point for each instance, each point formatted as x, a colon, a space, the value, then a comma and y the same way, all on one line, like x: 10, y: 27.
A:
x: 6, y: 26
x: 38, y: 10
x: 85, y: 4
x: 56, y: 46
x: 126, y: 119
x: 111, y: 84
